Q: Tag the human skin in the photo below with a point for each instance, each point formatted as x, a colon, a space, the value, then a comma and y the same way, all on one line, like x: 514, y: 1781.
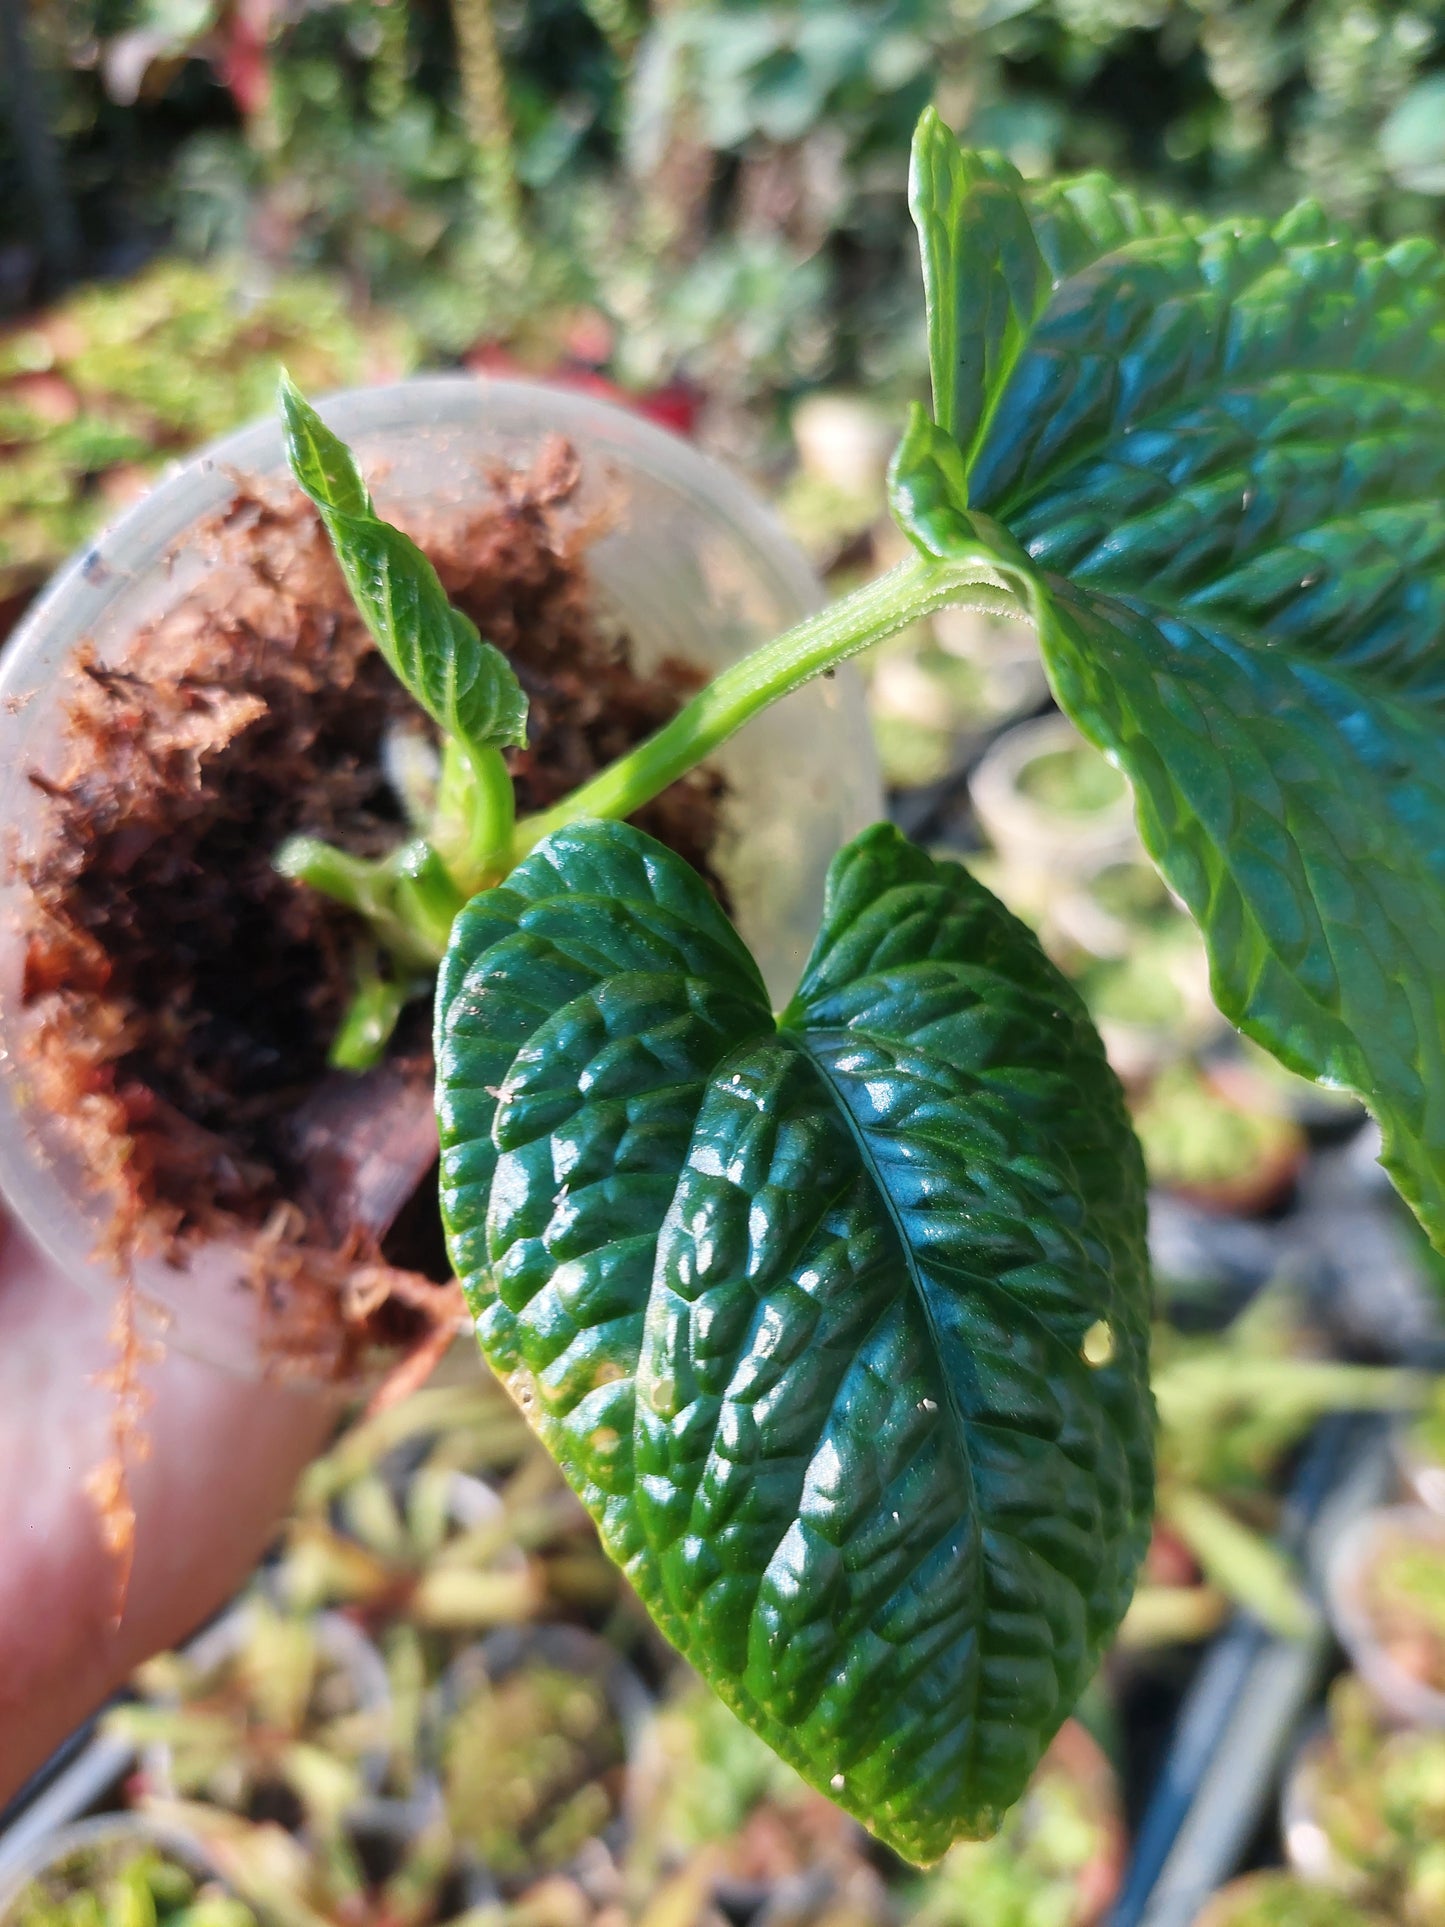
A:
x: 224, y: 1456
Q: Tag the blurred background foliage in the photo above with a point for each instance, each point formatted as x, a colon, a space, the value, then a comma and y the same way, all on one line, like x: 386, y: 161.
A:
x: 702, y: 201
x: 709, y: 191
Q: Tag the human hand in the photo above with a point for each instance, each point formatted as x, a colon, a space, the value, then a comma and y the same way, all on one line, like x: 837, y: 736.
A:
x: 224, y: 1455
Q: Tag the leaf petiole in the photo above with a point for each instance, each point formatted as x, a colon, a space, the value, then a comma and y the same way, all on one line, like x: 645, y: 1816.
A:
x: 370, y: 1018
x: 426, y: 895
x: 407, y: 900
x: 475, y: 817
x: 917, y: 587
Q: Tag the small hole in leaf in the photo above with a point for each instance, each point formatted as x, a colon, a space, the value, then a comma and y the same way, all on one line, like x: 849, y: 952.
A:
x: 1098, y: 1345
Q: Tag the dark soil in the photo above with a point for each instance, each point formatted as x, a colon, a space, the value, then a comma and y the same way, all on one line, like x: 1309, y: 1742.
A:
x: 184, y: 995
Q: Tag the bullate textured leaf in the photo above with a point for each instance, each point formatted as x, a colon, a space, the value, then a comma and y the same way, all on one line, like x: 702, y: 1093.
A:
x: 1209, y: 458
x: 465, y: 685
x: 805, y: 1306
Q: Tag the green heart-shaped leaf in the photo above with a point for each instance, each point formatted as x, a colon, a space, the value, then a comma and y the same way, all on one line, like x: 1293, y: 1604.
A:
x: 836, y: 1322
x: 1210, y: 459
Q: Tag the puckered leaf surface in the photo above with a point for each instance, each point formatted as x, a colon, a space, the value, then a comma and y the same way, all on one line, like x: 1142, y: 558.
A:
x: 466, y: 686
x: 1210, y: 459
x: 802, y: 1305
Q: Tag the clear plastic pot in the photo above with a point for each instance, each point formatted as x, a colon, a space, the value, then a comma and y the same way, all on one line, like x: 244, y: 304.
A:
x: 1307, y: 1844
x: 1046, y: 845
x: 1349, y: 1577
x: 1421, y: 1473
x: 559, y: 1648
x: 693, y: 566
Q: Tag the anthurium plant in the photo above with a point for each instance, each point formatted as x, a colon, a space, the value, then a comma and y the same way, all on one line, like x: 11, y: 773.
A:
x: 836, y: 1318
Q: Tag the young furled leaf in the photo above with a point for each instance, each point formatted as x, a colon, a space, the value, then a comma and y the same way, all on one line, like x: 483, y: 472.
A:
x: 836, y: 1322
x: 1209, y: 458
x: 465, y: 685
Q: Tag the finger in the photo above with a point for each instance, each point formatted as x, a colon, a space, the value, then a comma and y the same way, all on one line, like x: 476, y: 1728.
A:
x: 224, y: 1455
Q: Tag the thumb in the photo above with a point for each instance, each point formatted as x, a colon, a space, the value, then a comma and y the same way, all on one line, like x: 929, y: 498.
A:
x: 223, y: 1455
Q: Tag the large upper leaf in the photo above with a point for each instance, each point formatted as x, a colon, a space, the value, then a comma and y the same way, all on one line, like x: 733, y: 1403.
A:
x: 802, y: 1306
x: 466, y: 686
x: 1210, y: 459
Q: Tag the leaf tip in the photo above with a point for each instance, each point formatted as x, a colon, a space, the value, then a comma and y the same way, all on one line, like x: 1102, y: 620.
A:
x: 288, y: 395
x: 933, y: 143
x: 321, y: 463
x: 299, y: 419
x: 930, y: 126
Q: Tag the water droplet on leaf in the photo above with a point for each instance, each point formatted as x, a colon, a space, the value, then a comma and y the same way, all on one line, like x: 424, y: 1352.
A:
x: 1098, y: 1345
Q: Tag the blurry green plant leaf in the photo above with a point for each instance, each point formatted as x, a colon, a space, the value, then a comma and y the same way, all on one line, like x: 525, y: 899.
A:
x: 466, y: 686
x: 1249, y: 1568
x: 802, y: 1306
x: 1209, y: 460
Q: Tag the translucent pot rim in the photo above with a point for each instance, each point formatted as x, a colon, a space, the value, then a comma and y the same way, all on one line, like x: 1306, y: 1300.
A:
x: 471, y: 418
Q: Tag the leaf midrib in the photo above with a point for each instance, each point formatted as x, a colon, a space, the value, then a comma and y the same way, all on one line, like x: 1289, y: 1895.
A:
x: 975, y: 1279
x: 800, y: 1039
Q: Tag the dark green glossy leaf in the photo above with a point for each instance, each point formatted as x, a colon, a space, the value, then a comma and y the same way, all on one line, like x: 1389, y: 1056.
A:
x: 465, y: 685
x: 983, y: 275
x: 1211, y: 465
x: 801, y: 1306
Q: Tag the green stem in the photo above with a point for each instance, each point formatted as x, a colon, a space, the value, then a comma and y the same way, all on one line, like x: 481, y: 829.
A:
x: 916, y: 588
x: 494, y: 816
x: 427, y: 898
x: 368, y: 1022
x: 365, y: 887
x: 476, y: 813
x: 408, y: 900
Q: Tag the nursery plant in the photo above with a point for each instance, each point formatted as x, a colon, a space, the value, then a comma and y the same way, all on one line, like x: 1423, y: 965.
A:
x: 837, y: 1319
x: 1405, y: 1600
x: 1056, y: 1862
x: 1378, y: 1798
x: 705, y: 1792
x: 124, y: 1879
x: 1231, y: 1408
x: 423, y: 1551
x: 531, y: 1768
x: 1280, y: 1900
x: 273, y: 1722
x: 1215, y: 1152
x: 110, y: 384
x: 331, y: 1880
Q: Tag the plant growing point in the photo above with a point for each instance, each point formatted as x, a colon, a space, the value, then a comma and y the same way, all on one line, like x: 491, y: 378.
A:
x: 837, y: 1319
